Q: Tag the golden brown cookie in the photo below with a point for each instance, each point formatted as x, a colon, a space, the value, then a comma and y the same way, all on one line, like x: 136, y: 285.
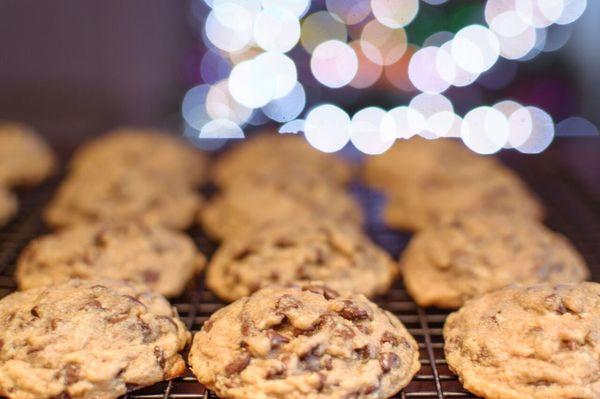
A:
x: 340, y: 255
x: 25, y: 157
x: 162, y: 259
x: 119, y: 196
x: 539, y: 342
x: 247, y: 204
x: 429, y: 181
x: 155, y: 151
x: 447, y: 264
x: 304, y: 342
x: 87, y: 339
x: 273, y: 156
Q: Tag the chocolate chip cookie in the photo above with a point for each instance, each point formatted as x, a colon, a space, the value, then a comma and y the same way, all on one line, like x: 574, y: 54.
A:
x: 447, y: 264
x: 8, y: 206
x: 25, y: 158
x: 303, y: 341
x: 271, y: 155
x: 540, y: 342
x: 87, y: 339
x: 156, y: 151
x: 121, y: 195
x: 164, y: 260
x: 426, y: 203
x: 429, y: 181
x: 339, y: 255
x: 247, y: 204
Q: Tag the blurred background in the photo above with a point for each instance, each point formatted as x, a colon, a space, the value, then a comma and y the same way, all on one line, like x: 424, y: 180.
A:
x: 78, y: 67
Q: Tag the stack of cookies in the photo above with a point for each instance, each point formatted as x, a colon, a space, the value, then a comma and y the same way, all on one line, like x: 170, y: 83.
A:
x: 25, y: 160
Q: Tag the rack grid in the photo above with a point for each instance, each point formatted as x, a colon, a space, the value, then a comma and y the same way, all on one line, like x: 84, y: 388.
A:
x: 572, y: 210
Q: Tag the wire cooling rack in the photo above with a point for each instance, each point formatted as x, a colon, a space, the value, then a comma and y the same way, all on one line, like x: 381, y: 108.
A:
x: 572, y: 210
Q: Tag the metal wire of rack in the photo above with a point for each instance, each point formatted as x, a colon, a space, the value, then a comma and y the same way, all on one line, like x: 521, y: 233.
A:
x: 571, y: 211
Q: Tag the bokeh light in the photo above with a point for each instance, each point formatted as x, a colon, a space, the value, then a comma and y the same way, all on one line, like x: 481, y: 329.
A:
x: 395, y: 13
x: 287, y: 108
x: 224, y: 37
x: 431, y: 70
x: 327, y: 128
x: 297, y: 7
x: 405, y: 122
x: 485, y: 130
x: 320, y: 27
x: 334, y: 63
x: 475, y: 48
x: 368, y: 71
x: 381, y: 44
x: 276, y: 29
x: 221, y: 105
x: 349, y: 12
x: 221, y: 129
x: 367, y: 132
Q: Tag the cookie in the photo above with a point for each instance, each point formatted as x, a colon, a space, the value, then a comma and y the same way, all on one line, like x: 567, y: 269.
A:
x: 303, y: 342
x: 87, y: 339
x: 8, y: 206
x: 337, y: 254
x: 540, y: 342
x: 162, y: 259
x: 446, y: 265
x: 25, y: 158
x: 418, y: 159
x: 280, y: 157
x: 152, y: 150
x: 246, y: 205
x: 429, y: 202
x: 429, y: 181
x: 123, y: 196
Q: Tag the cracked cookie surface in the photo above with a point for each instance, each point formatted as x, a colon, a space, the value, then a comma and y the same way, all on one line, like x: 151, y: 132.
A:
x: 87, y: 339
x: 247, y: 205
x: 25, y: 158
x: 541, y: 342
x: 337, y: 254
x: 304, y: 342
x: 447, y: 264
x: 162, y: 259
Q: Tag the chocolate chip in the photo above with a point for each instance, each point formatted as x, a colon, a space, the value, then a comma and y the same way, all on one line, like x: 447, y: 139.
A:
x: 364, y: 329
x: 328, y: 363
x: 247, y: 327
x: 63, y: 395
x: 390, y: 338
x: 287, y: 302
x: 117, y: 318
x: 100, y: 239
x: 243, y: 254
x: 208, y: 325
x: 35, y: 312
x: 276, y: 373
x: 322, y: 380
x: 352, y: 312
x: 569, y: 344
x: 284, y: 243
x: 238, y: 365
x: 71, y: 373
x: 388, y: 361
x: 328, y: 293
x: 137, y: 301
x: 159, y: 354
x: 150, y: 276
x: 146, y: 331
x: 365, y: 353
x: 276, y: 339
x: 1, y: 344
